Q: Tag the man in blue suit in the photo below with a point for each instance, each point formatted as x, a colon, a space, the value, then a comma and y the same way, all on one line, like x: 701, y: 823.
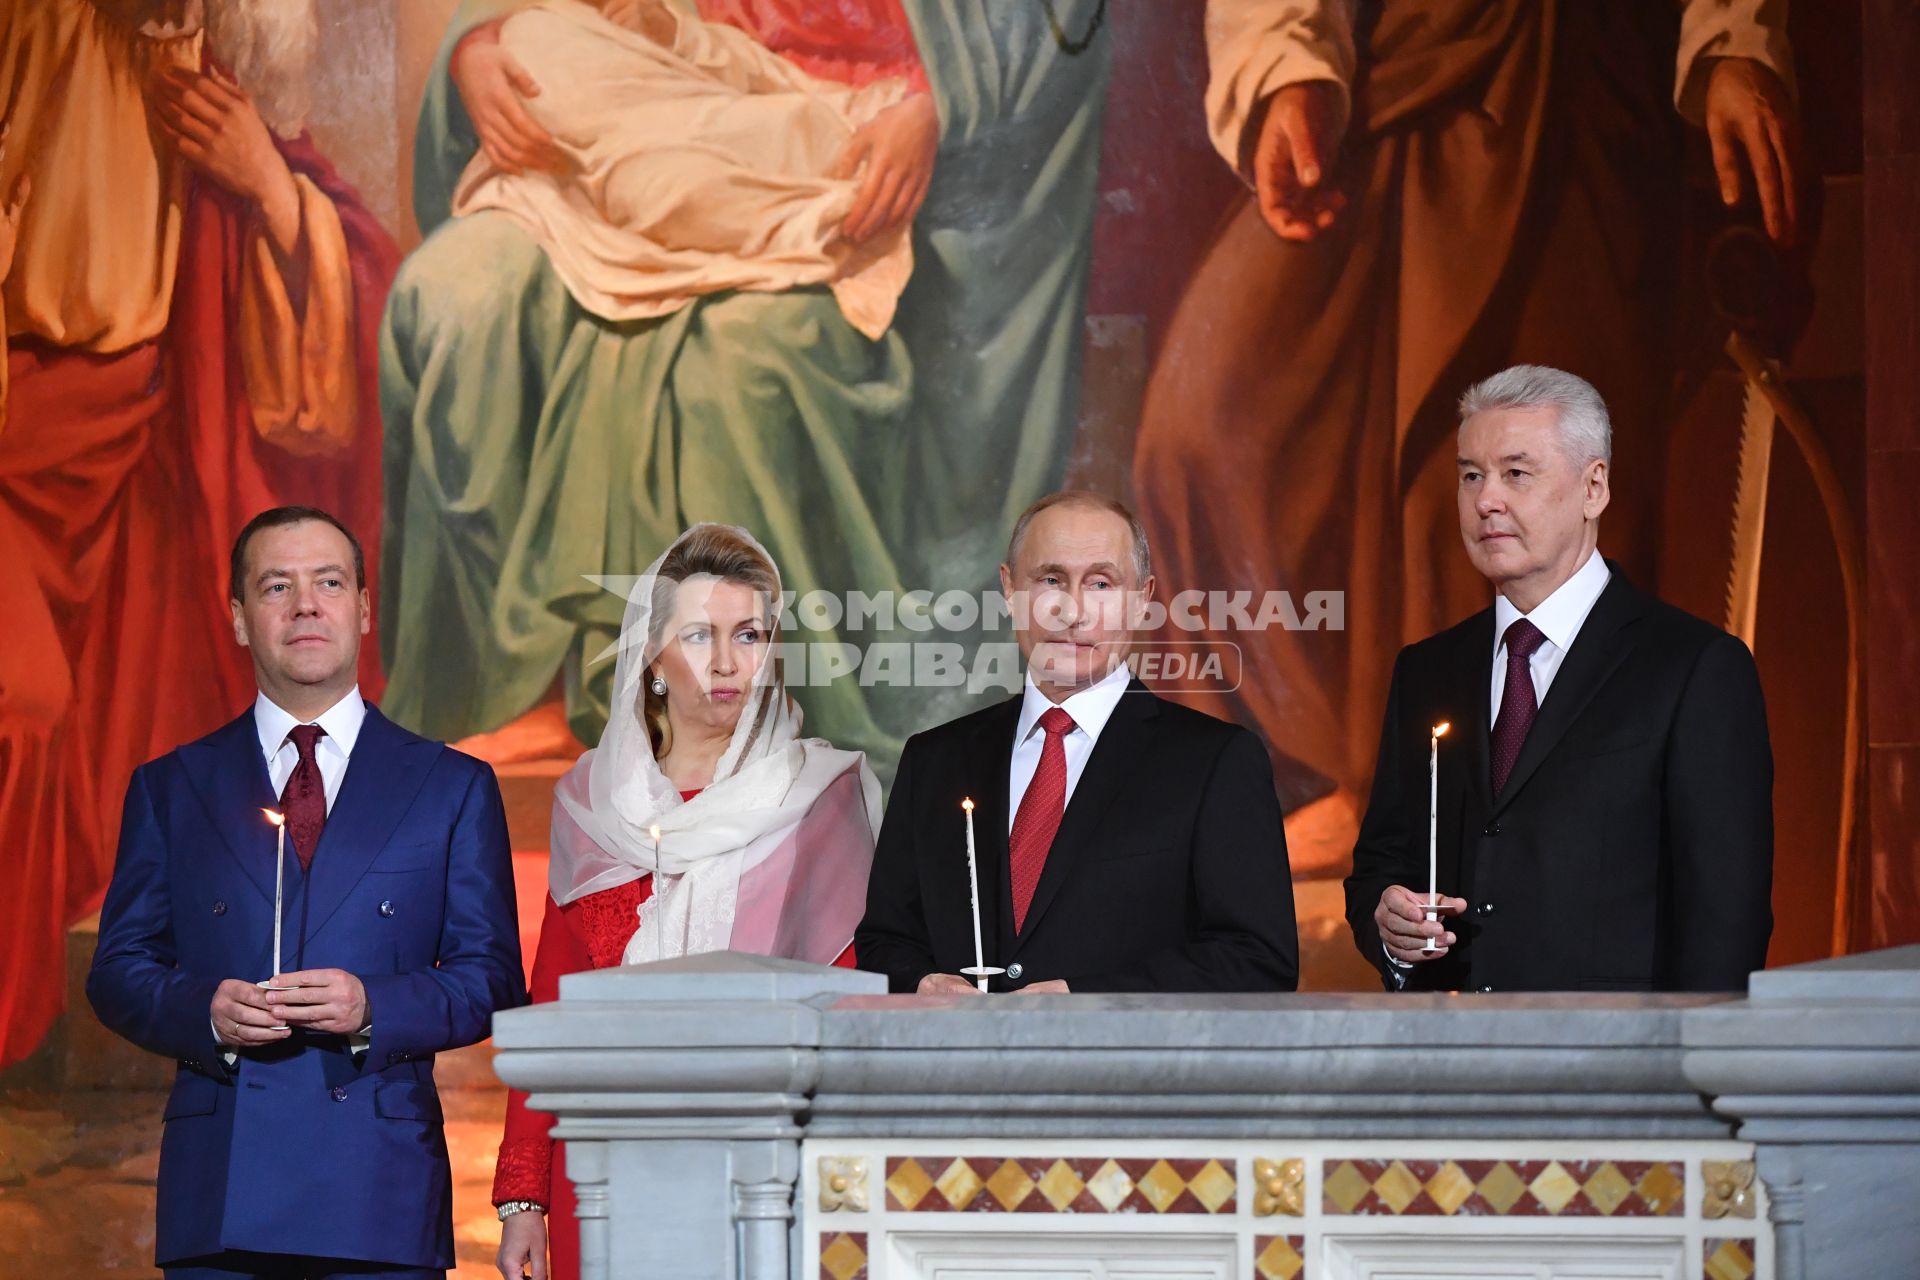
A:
x: 303, y: 1134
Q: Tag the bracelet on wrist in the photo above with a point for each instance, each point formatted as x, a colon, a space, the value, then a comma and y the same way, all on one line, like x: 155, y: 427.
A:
x: 510, y: 1207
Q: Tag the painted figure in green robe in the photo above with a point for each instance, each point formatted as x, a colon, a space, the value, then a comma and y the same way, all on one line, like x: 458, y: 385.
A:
x: 534, y: 446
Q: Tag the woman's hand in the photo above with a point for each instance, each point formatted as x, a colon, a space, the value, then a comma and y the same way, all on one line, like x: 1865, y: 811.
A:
x: 523, y: 1246
x: 897, y: 147
x: 494, y: 88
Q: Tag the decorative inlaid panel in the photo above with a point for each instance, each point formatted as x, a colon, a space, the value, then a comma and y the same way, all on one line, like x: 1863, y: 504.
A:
x: 995, y: 1184
x: 1728, y: 1259
x: 1729, y: 1190
x: 1279, y: 1188
x: 1280, y: 1257
x: 843, y: 1184
x: 1505, y: 1188
x: 843, y: 1255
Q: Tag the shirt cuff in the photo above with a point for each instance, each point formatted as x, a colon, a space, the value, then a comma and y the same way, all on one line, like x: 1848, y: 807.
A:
x: 1397, y: 973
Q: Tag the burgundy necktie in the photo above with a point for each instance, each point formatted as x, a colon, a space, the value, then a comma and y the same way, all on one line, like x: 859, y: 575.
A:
x: 1517, y: 703
x: 304, y: 800
x: 1038, y: 818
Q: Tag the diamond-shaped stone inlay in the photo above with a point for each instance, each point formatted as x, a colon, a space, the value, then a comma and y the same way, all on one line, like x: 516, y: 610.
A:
x: 1280, y: 1257
x: 1501, y: 1188
x: 1213, y: 1186
x: 1449, y: 1188
x: 843, y: 1184
x: 1110, y: 1186
x: 843, y: 1255
x: 1009, y: 1185
x: 1727, y: 1259
x: 1553, y: 1187
x: 1664, y: 1188
x: 958, y: 1183
x: 1346, y: 1187
x: 1067, y: 1184
x: 1729, y: 1191
x: 1061, y: 1185
x: 1607, y: 1188
x: 1397, y: 1187
x: 907, y: 1184
x: 1161, y: 1186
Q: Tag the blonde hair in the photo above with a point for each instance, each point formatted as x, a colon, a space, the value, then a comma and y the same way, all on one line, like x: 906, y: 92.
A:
x: 712, y: 551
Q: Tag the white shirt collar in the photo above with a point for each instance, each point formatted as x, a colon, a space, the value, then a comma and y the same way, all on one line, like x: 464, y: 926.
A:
x: 1090, y: 708
x: 342, y: 722
x: 1558, y: 616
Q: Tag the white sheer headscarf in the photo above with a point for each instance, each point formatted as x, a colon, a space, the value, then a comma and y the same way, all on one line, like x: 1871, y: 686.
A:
x: 771, y: 858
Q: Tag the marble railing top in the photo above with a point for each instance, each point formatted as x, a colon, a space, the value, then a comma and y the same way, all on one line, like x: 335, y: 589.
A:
x: 691, y: 999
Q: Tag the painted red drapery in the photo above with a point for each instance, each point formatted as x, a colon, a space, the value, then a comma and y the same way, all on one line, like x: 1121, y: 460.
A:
x: 123, y: 480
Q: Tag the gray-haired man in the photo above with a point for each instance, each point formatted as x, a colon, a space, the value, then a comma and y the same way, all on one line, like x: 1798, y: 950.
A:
x: 1604, y: 799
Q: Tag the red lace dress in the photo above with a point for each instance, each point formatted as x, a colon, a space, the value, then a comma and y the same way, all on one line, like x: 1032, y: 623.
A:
x: 588, y: 933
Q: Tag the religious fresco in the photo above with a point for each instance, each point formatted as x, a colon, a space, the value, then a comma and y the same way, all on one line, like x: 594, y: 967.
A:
x: 1059, y: 272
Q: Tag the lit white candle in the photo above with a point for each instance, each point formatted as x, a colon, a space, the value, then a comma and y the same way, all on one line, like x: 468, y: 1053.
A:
x: 656, y: 846
x: 1433, y: 827
x: 973, y: 891
x: 279, y: 821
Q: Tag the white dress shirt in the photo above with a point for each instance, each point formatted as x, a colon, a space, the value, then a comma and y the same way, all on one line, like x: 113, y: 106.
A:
x: 275, y: 726
x: 1559, y: 617
x: 1090, y: 708
x: 342, y: 723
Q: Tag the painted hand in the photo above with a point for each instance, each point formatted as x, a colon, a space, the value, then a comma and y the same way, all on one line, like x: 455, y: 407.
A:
x: 1751, y: 118
x: 897, y: 148
x: 494, y: 88
x: 1293, y: 159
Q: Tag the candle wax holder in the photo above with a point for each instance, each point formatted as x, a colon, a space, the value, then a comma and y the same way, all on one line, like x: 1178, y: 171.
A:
x: 1433, y: 915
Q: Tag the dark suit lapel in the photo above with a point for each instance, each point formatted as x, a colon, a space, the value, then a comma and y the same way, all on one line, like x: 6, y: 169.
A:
x: 1476, y: 675
x: 228, y: 774
x: 1597, y: 653
x: 384, y: 774
x: 989, y: 758
x: 1119, y: 747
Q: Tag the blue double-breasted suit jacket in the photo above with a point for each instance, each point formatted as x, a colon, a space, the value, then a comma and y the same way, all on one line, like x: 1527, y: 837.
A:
x: 305, y: 1147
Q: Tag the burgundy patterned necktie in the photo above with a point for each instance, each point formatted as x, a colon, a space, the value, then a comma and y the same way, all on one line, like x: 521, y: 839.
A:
x: 304, y: 800
x: 1039, y: 814
x: 1517, y: 703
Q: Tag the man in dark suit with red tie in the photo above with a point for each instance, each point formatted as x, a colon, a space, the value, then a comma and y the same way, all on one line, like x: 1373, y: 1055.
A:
x: 304, y: 1134
x: 1124, y: 843
x: 1605, y: 797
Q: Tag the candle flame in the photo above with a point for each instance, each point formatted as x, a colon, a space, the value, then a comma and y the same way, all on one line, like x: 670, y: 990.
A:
x: 656, y: 833
x: 967, y: 804
x: 277, y: 819
x: 1440, y: 730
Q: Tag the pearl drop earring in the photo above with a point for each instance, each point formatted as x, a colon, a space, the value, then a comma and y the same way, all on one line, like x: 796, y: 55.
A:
x: 659, y: 687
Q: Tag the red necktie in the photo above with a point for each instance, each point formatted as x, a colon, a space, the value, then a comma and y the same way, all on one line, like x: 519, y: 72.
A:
x: 1039, y: 815
x: 1517, y: 703
x: 304, y: 801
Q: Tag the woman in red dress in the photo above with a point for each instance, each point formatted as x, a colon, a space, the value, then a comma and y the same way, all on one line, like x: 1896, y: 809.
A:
x: 701, y: 822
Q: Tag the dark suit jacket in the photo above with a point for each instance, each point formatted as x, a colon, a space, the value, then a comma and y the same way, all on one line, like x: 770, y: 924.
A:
x: 304, y: 1148
x: 1168, y: 873
x: 1632, y: 848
